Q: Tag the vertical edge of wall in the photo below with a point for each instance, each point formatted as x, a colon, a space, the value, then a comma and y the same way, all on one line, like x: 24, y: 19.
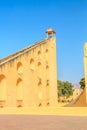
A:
x: 53, y: 71
x: 85, y: 69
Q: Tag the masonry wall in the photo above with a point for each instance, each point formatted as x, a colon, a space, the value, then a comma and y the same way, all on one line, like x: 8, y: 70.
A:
x: 85, y: 68
x: 81, y: 101
x: 30, y: 79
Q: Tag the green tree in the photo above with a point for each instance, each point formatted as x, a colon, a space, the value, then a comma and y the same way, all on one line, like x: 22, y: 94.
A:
x: 68, y: 89
x: 65, y: 89
x: 60, y: 87
x: 82, y: 83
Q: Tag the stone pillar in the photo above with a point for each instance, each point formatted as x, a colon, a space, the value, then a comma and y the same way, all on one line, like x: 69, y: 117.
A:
x: 53, y: 71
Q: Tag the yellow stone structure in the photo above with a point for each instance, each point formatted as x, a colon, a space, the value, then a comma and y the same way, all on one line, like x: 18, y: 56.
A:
x: 28, y: 78
x: 81, y: 100
x: 85, y: 68
x: 76, y: 93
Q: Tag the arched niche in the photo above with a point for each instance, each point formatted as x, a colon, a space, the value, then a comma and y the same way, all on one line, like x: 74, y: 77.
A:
x: 39, y: 52
x: 32, y: 63
x: 47, y: 67
x: 47, y: 91
x: 39, y: 66
x: 46, y: 51
x: 3, y: 90
x: 19, y: 97
x: 40, y: 90
x: 19, y: 68
x: 46, y: 54
x: 47, y: 71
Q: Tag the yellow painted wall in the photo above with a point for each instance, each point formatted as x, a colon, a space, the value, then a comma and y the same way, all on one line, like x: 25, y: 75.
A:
x: 76, y: 93
x: 85, y: 67
x: 29, y: 77
x: 81, y: 100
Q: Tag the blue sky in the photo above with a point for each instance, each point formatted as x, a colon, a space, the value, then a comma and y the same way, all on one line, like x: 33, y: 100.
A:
x: 23, y: 22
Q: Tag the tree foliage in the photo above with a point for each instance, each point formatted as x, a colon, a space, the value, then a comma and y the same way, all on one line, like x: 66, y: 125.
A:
x: 65, y: 88
x: 82, y: 83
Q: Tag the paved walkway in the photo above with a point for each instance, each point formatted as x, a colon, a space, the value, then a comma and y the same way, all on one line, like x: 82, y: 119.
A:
x: 35, y: 122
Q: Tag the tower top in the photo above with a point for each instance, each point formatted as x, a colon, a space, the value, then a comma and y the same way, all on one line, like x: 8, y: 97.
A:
x: 50, y: 32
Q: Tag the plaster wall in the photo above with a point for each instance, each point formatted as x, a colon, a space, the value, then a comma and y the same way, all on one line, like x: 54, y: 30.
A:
x: 30, y: 79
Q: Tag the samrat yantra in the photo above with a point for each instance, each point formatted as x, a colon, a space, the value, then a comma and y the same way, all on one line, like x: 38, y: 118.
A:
x: 29, y: 77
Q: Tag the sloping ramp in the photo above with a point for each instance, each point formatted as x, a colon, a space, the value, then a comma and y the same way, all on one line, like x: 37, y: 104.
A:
x: 14, y: 55
x: 80, y: 101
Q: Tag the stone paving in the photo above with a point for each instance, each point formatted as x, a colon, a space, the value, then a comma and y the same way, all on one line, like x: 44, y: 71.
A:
x: 38, y: 122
